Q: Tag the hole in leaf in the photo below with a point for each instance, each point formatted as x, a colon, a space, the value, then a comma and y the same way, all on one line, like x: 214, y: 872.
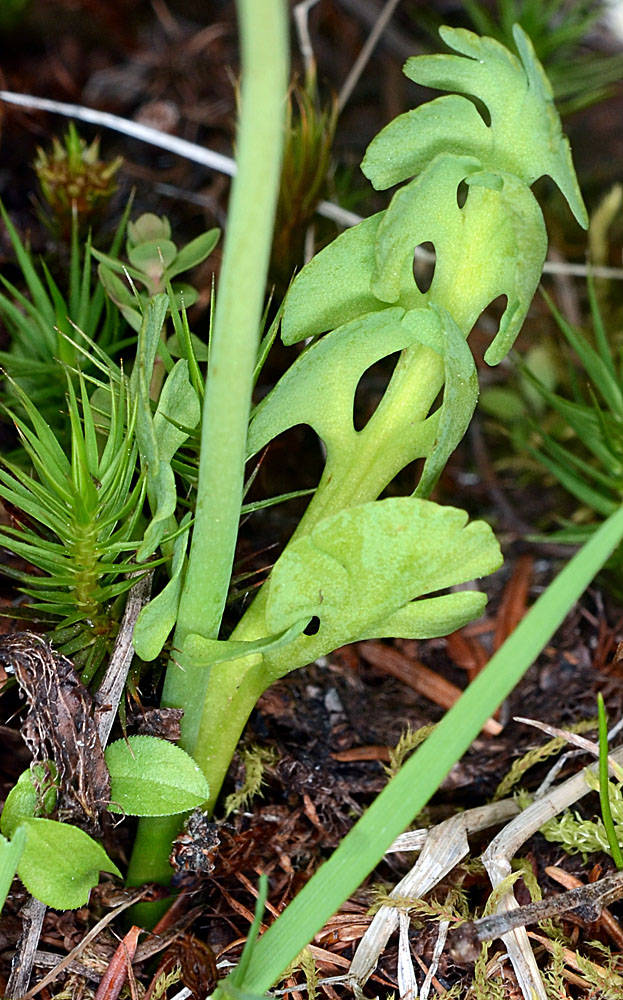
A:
x: 405, y: 481
x: 423, y: 266
x: 486, y: 327
x: 266, y: 530
x: 371, y: 389
x: 313, y: 626
x: 489, y: 322
x: 461, y: 193
x: 279, y: 470
x: 481, y: 108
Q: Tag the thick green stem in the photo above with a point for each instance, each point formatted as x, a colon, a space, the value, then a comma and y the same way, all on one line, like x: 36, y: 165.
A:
x: 235, y: 336
x: 233, y: 351
x: 382, y: 449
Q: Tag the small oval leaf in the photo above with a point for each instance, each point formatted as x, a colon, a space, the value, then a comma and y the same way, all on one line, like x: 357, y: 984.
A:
x: 60, y: 863
x: 152, y: 257
x: 194, y: 252
x: 25, y: 799
x: 150, y: 777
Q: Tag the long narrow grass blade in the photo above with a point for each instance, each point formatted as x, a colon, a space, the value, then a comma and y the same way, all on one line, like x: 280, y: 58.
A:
x: 604, y: 785
x: 598, y: 371
x: 410, y: 790
x: 35, y: 285
x: 576, y: 485
x: 601, y: 337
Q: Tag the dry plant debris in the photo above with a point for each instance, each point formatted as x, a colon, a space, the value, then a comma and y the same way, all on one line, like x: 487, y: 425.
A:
x: 60, y: 726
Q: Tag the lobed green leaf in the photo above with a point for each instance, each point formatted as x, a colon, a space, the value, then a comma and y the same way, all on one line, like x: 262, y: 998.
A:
x: 460, y: 394
x: 494, y: 245
x: 207, y: 652
x: 524, y: 136
x: 319, y: 388
x: 364, y: 572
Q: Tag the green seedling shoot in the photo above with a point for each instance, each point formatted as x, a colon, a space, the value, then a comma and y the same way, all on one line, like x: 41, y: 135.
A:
x: 58, y: 862
x: 358, y: 567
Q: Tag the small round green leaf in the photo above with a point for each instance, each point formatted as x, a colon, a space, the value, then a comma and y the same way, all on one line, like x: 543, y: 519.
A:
x: 153, y: 257
x: 148, y: 227
x: 151, y: 777
x: 25, y: 799
x: 60, y: 863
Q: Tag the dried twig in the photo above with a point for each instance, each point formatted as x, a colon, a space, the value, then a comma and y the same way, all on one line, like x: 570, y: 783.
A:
x: 33, y: 913
x: 49, y: 960
x: 591, y: 898
x: 133, y: 897
x: 407, y: 983
x: 60, y: 721
x: 301, y: 21
x: 111, y: 688
x: 497, y: 861
x: 589, y: 746
x: 363, y: 58
x: 439, y: 946
x: 445, y: 845
x: 607, y: 922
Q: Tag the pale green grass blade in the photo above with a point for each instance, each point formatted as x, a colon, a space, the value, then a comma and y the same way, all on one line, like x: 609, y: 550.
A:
x: 604, y: 785
x: 575, y: 484
x: 605, y: 348
x: 412, y: 787
x: 24, y: 260
x: 597, y: 369
x: 253, y: 505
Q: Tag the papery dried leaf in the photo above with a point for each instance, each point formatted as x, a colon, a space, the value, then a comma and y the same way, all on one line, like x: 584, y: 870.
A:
x: 60, y: 725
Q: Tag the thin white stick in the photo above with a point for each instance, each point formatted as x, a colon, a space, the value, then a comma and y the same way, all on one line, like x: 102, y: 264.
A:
x: 407, y: 983
x: 182, y: 147
x: 225, y: 165
x: 183, y: 994
x: 301, y: 20
x: 497, y: 860
x: 303, y: 986
x: 362, y: 59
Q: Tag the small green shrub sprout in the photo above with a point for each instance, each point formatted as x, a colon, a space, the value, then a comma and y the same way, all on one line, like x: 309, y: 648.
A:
x: 154, y: 260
